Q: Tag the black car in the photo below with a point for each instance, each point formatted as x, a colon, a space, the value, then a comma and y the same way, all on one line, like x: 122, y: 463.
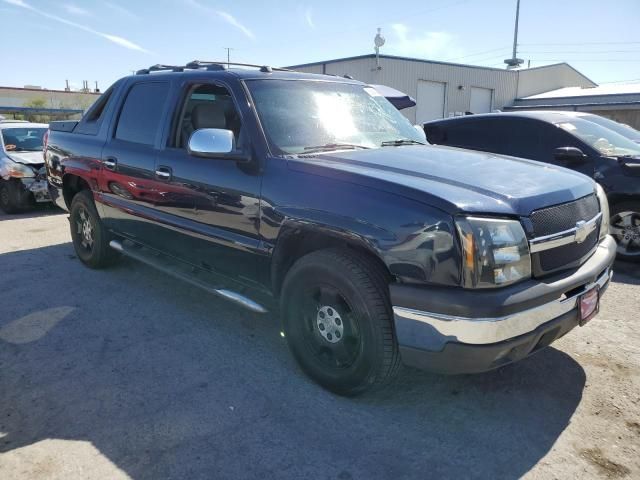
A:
x: 564, y: 139
x: 312, y: 196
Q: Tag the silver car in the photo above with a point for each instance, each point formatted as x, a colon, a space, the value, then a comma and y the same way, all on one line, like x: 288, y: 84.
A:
x: 23, y: 179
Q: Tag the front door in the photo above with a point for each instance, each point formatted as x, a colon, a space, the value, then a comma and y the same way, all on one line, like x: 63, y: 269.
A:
x: 214, y: 203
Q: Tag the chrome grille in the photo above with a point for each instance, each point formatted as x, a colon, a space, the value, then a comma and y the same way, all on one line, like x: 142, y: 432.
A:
x: 558, y: 218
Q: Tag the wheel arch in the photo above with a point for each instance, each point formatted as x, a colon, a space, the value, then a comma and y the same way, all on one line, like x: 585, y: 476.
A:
x: 71, y: 185
x: 298, y: 239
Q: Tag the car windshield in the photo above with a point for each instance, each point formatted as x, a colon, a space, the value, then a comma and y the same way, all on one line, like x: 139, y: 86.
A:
x: 621, y: 128
x: 605, y: 141
x: 24, y: 139
x: 303, y: 116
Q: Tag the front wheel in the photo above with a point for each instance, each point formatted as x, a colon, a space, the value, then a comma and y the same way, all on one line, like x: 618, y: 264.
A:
x: 625, y: 228
x: 89, y: 235
x: 338, y: 322
x: 11, y: 198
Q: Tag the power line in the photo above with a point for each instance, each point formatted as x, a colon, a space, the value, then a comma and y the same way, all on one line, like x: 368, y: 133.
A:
x: 630, y: 80
x: 576, y: 44
x: 589, y: 52
x: 501, y: 49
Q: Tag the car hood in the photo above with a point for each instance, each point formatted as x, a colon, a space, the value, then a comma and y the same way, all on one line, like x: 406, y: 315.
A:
x: 27, y: 158
x: 454, y: 179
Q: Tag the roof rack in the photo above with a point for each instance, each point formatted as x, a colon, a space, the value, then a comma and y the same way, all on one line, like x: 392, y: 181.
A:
x: 211, y: 66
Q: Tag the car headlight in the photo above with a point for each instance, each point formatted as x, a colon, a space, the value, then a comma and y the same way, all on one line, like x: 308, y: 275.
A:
x: 495, y: 252
x: 604, y: 208
x: 16, y: 170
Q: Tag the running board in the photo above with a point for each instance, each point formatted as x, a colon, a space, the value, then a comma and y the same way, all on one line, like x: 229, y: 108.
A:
x: 183, y: 272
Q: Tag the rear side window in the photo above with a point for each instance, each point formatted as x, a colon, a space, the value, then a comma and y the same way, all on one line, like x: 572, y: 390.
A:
x: 96, y: 111
x: 474, y: 135
x: 141, y: 114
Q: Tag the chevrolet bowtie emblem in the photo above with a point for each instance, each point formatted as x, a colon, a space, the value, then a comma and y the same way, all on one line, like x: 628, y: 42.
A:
x: 582, y: 231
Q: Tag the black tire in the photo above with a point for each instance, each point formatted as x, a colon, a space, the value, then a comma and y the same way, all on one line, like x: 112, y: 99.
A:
x: 11, y: 198
x: 625, y: 228
x: 363, y: 353
x: 90, y: 240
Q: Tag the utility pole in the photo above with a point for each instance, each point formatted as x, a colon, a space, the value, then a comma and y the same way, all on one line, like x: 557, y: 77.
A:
x: 228, y: 49
x: 514, y: 61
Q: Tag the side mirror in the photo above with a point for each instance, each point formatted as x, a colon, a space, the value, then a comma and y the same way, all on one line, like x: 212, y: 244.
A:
x: 214, y: 143
x: 569, y: 154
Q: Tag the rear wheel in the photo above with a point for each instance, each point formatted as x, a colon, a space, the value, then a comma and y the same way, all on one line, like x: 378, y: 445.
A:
x: 337, y: 321
x: 89, y: 235
x: 625, y: 228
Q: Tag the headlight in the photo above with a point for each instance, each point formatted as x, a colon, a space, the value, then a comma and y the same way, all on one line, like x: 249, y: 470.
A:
x: 604, y: 208
x: 16, y: 170
x: 495, y: 252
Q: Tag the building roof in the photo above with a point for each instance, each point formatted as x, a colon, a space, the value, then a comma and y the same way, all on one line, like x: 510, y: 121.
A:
x: 46, y: 90
x: 569, y: 92
x: 421, y: 60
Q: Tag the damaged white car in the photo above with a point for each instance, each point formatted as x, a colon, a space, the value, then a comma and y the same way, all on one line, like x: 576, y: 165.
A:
x: 23, y: 179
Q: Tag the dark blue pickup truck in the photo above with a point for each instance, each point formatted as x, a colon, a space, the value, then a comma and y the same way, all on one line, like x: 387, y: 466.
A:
x: 311, y: 195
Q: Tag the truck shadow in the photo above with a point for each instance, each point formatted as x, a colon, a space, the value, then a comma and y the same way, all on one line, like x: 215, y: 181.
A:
x: 38, y: 210
x: 166, y: 381
x: 627, y: 272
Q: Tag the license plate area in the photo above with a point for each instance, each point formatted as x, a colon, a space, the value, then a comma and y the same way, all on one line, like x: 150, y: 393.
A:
x: 589, y: 305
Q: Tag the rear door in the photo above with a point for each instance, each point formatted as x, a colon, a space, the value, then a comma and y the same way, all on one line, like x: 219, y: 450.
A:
x: 127, y: 182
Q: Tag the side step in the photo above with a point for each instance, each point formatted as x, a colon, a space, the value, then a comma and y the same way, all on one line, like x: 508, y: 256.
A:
x: 183, y: 272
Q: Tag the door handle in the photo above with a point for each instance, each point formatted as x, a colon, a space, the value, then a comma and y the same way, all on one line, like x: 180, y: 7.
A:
x: 163, y: 173
x: 110, y: 163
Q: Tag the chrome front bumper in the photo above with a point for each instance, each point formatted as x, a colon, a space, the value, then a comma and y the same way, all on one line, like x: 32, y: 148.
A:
x: 480, y: 331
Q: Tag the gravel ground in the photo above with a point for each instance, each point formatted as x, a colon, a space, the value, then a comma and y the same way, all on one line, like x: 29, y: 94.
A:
x: 126, y: 373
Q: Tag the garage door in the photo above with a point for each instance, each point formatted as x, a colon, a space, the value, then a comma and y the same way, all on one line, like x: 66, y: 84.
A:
x: 430, y: 101
x: 480, y: 100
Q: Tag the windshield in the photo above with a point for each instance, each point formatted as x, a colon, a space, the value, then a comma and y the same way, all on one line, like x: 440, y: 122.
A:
x: 23, y: 139
x: 605, y: 141
x: 620, y: 128
x: 302, y: 116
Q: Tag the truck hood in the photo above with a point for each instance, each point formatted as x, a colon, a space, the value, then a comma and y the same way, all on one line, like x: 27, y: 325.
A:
x: 27, y: 158
x: 454, y: 179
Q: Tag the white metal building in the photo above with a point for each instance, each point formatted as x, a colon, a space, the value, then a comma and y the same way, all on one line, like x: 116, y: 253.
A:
x: 446, y: 89
x: 620, y: 102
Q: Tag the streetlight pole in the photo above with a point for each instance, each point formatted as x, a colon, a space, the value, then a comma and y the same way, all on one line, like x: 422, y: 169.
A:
x: 514, y: 61
x: 228, y: 49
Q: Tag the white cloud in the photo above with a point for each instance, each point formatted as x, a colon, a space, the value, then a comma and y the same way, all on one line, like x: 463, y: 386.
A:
x: 226, y: 16
x: 422, y: 44
x: 231, y: 20
x: 75, y: 10
x: 123, y: 42
x: 308, y: 16
x: 120, y: 10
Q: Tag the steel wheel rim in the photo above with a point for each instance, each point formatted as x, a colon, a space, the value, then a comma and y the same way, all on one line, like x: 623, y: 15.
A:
x: 625, y: 227
x: 85, y: 229
x: 331, y: 330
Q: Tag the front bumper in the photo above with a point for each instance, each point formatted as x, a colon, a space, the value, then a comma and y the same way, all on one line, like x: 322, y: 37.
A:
x: 463, y: 331
x: 39, y: 188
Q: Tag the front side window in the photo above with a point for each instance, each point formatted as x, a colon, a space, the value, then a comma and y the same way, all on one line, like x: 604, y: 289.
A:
x: 23, y: 139
x: 607, y: 142
x: 141, y: 115
x: 301, y: 116
x: 207, y: 106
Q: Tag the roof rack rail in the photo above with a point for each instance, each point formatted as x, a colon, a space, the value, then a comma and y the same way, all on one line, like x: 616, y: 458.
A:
x: 211, y: 66
x: 263, y: 68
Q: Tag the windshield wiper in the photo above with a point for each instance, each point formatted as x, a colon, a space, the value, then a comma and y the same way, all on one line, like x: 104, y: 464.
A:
x: 333, y: 146
x: 401, y: 141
